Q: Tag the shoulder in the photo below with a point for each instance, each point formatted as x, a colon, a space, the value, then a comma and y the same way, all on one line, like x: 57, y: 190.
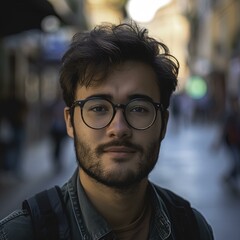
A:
x: 206, y: 232
x: 16, y: 226
x: 184, y: 214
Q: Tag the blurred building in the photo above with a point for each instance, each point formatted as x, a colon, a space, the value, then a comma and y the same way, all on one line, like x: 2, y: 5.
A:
x: 34, y: 34
x: 215, y: 32
x: 205, y: 36
x: 171, y: 26
x: 214, y: 46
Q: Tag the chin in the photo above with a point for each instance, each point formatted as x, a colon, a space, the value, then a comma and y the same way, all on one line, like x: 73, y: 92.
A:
x: 121, y: 179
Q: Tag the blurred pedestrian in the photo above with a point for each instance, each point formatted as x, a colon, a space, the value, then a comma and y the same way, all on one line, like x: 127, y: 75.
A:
x: 117, y: 83
x: 14, y: 120
x: 58, y: 132
x: 187, y: 108
x: 176, y: 111
x: 6, y: 137
x: 231, y: 139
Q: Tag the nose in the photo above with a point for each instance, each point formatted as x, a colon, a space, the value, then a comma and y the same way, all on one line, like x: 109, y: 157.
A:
x: 119, y: 128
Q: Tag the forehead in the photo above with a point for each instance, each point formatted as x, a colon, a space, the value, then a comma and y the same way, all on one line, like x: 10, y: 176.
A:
x: 125, y: 80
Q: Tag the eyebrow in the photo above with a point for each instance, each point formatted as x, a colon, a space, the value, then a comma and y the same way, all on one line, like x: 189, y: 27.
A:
x: 130, y: 97
x: 143, y: 96
x: 107, y: 96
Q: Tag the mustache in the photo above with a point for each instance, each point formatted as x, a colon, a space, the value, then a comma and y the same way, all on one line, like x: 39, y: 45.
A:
x: 136, y: 147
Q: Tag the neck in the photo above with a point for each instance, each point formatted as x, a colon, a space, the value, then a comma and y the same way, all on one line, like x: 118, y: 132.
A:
x: 118, y: 207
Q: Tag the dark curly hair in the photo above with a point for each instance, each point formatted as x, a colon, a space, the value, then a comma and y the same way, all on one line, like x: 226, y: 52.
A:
x: 93, y: 54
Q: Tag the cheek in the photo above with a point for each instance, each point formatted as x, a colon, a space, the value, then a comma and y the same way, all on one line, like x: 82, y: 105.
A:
x: 84, y: 133
x: 149, y: 136
x: 87, y: 135
x: 80, y: 128
x: 155, y: 130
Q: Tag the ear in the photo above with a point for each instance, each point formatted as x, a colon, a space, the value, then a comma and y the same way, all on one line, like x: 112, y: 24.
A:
x: 165, y: 116
x: 68, y: 122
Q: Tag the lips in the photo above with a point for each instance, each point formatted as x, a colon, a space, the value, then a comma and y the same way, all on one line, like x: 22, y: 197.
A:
x: 119, y: 153
x: 119, y: 149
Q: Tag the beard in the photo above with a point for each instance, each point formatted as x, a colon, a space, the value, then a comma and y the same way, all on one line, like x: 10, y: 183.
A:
x: 91, y: 163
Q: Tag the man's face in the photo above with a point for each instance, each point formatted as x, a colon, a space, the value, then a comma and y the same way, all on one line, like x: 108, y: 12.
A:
x: 118, y: 155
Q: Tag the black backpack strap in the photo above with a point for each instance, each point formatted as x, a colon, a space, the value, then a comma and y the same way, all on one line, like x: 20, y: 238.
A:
x: 183, y: 219
x: 48, y: 215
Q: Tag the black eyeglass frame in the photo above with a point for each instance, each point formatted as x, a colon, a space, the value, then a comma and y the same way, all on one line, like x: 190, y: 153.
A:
x: 80, y: 103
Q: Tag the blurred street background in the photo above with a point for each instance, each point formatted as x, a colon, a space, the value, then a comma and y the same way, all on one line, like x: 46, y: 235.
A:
x: 197, y: 159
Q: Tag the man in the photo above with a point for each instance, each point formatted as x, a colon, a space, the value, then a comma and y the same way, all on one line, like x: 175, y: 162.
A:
x: 117, y: 83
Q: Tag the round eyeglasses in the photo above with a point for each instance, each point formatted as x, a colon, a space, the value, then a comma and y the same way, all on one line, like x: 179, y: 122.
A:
x: 98, y: 112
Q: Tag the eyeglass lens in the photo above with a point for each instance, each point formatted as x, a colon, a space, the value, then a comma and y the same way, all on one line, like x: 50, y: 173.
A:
x: 98, y: 113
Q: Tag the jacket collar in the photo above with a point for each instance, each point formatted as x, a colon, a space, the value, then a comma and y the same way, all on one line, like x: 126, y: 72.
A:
x: 95, y: 223
x: 98, y: 228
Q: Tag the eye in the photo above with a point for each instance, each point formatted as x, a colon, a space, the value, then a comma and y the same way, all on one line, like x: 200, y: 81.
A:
x: 99, y: 108
x: 139, y: 109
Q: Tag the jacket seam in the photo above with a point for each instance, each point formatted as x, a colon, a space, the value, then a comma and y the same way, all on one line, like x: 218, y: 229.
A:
x: 3, y: 234
x: 13, y: 215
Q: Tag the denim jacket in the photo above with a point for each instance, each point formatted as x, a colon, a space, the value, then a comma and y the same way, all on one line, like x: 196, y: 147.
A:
x: 85, y: 223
